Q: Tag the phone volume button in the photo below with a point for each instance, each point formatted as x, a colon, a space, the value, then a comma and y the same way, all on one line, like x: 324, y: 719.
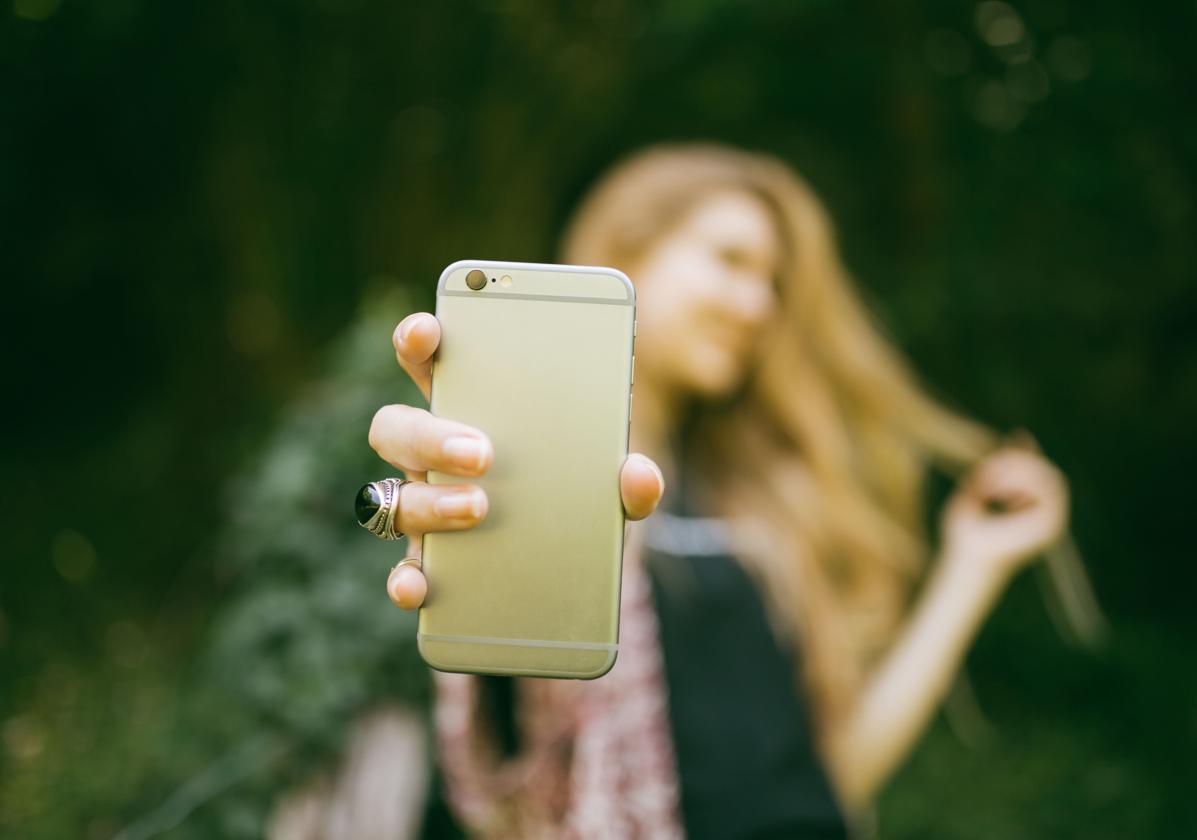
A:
x: 633, y: 379
x: 630, y: 395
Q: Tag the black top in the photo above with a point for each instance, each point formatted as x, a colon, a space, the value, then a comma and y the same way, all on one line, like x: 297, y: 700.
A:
x: 746, y: 764
x: 741, y: 734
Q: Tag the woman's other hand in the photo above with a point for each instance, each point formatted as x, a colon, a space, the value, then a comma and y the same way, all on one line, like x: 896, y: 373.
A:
x: 1007, y: 511
x: 416, y: 441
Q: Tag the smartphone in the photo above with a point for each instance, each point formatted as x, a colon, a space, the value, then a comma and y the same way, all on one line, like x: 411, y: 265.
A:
x: 540, y: 358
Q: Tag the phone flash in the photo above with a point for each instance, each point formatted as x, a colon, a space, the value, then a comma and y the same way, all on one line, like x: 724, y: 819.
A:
x: 505, y: 280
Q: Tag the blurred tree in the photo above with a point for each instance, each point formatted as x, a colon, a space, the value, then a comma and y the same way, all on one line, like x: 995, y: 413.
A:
x: 198, y: 198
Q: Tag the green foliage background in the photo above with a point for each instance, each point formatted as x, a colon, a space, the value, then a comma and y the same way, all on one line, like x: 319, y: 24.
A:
x: 214, y: 213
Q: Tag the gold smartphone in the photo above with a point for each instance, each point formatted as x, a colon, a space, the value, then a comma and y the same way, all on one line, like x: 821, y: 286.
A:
x: 540, y: 358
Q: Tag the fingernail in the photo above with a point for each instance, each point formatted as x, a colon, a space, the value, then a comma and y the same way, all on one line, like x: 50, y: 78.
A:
x: 414, y: 590
x: 393, y: 587
x: 657, y: 470
x: 466, y: 451
x: 405, y: 328
x: 459, y: 504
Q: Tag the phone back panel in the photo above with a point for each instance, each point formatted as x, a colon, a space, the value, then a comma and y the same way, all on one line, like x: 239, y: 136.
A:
x: 543, y: 366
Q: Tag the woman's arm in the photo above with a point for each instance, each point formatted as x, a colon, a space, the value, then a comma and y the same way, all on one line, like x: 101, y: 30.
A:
x: 1012, y: 507
x: 905, y: 689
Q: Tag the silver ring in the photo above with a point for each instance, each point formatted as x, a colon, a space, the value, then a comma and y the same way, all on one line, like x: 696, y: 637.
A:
x: 377, y: 507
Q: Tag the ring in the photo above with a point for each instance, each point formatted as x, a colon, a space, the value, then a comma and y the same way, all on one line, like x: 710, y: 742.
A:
x: 377, y: 507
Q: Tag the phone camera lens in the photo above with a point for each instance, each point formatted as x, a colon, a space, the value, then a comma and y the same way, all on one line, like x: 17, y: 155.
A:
x: 476, y: 280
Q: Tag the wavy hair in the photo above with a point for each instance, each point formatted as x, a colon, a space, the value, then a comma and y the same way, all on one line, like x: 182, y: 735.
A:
x: 826, y: 450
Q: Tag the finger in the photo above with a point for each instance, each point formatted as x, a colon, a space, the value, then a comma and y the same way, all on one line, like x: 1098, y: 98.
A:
x: 440, y: 507
x: 413, y: 439
x: 641, y: 485
x: 1008, y: 497
x: 407, y: 587
x: 1018, y: 472
x: 1024, y: 482
x: 1024, y: 440
x: 1002, y: 470
x: 416, y: 339
x: 1004, y: 504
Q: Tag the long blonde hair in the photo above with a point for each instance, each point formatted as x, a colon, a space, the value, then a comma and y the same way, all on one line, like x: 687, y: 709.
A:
x: 828, y: 448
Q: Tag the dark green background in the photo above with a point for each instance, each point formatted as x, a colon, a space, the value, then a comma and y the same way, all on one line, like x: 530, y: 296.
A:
x: 199, y: 198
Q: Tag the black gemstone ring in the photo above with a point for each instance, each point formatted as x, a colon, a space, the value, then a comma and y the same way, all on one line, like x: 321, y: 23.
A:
x: 377, y: 507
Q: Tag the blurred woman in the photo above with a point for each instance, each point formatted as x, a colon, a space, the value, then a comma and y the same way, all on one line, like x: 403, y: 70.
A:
x: 786, y: 630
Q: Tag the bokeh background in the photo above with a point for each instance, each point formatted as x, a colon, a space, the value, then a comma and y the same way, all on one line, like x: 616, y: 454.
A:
x: 214, y: 213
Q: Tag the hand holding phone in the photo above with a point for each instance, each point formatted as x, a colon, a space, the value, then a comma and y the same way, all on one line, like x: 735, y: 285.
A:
x: 460, y: 456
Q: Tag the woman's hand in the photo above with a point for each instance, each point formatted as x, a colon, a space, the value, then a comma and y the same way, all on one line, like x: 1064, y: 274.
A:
x: 416, y: 441
x: 1007, y: 511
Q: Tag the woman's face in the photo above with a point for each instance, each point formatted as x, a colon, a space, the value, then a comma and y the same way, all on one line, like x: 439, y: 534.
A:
x: 704, y: 291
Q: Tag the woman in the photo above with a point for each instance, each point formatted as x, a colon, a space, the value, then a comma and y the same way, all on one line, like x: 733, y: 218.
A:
x: 776, y: 666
